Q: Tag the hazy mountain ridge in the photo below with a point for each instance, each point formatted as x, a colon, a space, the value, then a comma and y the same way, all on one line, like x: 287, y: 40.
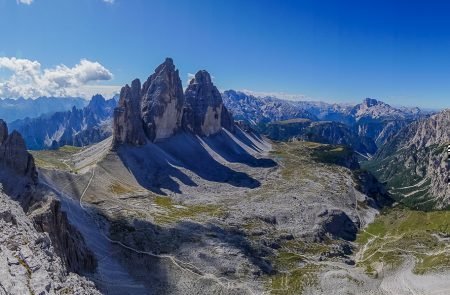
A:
x: 77, y: 127
x: 14, y: 109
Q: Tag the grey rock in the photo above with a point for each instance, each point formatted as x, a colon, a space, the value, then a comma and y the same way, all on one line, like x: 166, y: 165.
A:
x: 127, y: 116
x: 28, y: 268
x: 69, y: 245
x: 204, y: 112
x: 77, y: 127
x: 339, y: 225
x: 162, y: 102
x: 14, y: 154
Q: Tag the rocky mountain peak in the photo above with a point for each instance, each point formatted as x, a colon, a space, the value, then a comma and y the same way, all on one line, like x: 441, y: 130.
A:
x: 162, y: 102
x: 3, y: 131
x: 204, y: 110
x: 97, y: 101
x: 202, y: 77
x: 159, y: 109
x: 14, y: 154
x: 370, y: 102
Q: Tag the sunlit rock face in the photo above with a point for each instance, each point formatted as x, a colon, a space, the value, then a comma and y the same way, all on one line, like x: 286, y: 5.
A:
x: 162, y: 102
x: 159, y: 109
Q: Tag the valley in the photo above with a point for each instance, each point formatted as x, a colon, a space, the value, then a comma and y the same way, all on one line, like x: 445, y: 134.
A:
x: 178, y: 197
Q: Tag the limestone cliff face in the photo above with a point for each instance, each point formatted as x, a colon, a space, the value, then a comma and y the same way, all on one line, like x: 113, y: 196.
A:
x: 14, y: 155
x: 128, y: 126
x: 204, y: 113
x: 68, y: 243
x: 159, y: 109
x: 162, y: 102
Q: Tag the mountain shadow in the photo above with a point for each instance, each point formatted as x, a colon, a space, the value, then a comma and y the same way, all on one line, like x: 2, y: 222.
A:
x: 157, y: 166
x: 148, y: 253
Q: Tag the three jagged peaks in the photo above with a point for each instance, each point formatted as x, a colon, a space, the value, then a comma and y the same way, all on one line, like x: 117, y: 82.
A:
x: 159, y: 109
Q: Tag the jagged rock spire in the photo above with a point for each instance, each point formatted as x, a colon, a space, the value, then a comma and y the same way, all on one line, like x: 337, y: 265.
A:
x: 127, y: 116
x: 204, y: 105
x: 162, y: 102
x: 160, y: 109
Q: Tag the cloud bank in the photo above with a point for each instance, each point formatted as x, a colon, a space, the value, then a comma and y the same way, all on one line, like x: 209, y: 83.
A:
x: 27, y: 2
x: 27, y: 78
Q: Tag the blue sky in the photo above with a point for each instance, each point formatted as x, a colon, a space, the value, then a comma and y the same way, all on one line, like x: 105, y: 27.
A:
x: 397, y: 51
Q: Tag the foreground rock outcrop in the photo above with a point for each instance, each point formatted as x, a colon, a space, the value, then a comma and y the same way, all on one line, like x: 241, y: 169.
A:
x: 32, y: 262
x: 159, y: 109
x: 14, y: 155
x: 28, y: 263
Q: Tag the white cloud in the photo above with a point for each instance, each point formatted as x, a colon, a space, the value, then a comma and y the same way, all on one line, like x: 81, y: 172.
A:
x: 109, y: 1
x: 27, y: 2
x: 28, y: 79
x: 190, y: 76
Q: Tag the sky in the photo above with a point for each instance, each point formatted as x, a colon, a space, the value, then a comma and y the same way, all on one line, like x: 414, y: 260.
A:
x: 337, y: 51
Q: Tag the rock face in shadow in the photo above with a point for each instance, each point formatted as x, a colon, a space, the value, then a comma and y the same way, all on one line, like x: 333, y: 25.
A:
x: 19, y: 180
x: 68, y: 242
x: 204, y: 113
x: 27, y: 261
x: 159, y: 109
x: 14, y: 154
x: 127, y: 116
x: 337, y: 224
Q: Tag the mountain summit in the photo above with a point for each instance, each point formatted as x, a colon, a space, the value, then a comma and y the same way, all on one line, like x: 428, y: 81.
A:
x: 159, y: 109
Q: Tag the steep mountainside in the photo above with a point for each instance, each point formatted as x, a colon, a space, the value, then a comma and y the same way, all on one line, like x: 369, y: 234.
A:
x: 77, y: 127
x: 414, y: 163
x: 28, y: 264
x: 15, y: 109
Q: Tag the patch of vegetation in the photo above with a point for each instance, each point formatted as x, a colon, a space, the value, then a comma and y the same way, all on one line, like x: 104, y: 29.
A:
x: 399, y: 232
x: 294, y: 272
x: 172, y: 212
x: 59, y: 159
x: 119, y: 189
x: 337, y: 155
x: 294, y: 281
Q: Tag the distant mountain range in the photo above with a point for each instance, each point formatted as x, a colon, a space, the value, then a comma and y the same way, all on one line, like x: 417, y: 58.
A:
x: 370, y: 120
x: 364, y: 126
x: 14, y: 109
x: 77, y: 126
